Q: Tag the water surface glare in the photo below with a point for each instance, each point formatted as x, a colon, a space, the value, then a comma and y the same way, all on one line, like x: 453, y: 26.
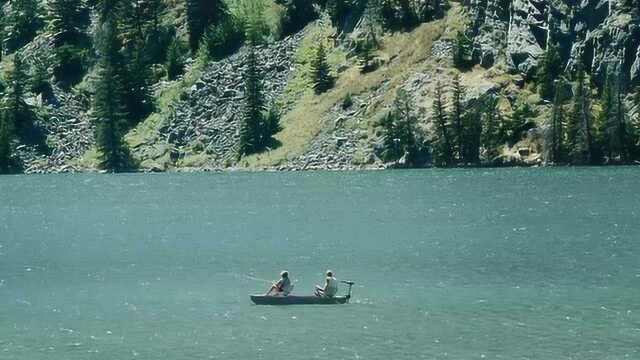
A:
x: 449, y: 264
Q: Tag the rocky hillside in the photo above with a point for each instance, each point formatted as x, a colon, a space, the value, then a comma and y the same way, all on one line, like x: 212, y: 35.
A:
x: 196, y: 122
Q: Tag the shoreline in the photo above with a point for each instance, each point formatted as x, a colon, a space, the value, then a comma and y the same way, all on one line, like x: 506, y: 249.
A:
x: 290, y: 169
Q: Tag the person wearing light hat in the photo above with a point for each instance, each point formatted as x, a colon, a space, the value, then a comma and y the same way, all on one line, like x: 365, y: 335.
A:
x: 330, y: 288
x: 283, y: 287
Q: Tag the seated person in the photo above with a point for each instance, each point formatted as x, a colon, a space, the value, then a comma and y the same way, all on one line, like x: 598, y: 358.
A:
x: 283, y: 287
x: 330, y: 288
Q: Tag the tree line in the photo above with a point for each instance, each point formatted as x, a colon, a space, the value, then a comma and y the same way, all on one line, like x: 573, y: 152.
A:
x: 585, y: 125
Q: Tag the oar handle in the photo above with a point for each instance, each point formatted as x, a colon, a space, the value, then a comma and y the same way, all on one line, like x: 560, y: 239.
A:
x: 347, y: 282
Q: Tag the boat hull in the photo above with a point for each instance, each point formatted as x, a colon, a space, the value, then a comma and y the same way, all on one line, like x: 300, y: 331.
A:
x: 298, y: 300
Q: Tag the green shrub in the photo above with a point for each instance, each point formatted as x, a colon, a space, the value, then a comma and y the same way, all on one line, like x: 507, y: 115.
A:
x: 347, y: 101
x: 175, y: 59
x: 223, y: 39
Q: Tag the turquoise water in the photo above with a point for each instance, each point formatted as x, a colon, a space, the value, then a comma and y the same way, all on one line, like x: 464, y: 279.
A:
x: 449, y: 264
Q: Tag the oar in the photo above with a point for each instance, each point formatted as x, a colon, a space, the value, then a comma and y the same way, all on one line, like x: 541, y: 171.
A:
x: 350, y: 283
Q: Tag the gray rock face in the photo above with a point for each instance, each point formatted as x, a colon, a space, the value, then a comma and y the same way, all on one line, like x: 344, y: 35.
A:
x: 602, y: 35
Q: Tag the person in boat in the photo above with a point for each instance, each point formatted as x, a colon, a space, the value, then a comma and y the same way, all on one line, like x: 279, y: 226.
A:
x: 283, y: 287
x: 330, y: 288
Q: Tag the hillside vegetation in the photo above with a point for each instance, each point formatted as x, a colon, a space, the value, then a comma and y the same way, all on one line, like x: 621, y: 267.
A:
x: 158, y: 85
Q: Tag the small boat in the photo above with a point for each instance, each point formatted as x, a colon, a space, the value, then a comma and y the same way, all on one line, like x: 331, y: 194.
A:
x: 302, y: 300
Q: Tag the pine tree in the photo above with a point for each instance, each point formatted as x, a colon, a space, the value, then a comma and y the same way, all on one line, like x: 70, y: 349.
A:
x: 251, y: 13
x: 549, y: 70
x: 16, y: 111
x: 472, y: 137
x: 521, y: 121
x: 108, y: 110
x: 175, y: 61
x: 554, y: 141
x: 40, y: 79
x: 297, y: 13
x: 442, y: 140
x: 462, y: 51
x: 200, y: 15
x: 579, y: 129
x: 491, y: 129
x: 604, y: 123
x: 252, y: 117
x: 67, y: 21
x: 135, y: 76
x: 401, y: 138
x: 623, y: 139
x: 457, y: 116
x: 22, y: 23
x: 320, y: 71
x: 5, y: 144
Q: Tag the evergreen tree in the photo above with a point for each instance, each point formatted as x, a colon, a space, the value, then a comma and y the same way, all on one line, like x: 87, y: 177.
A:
x: 457, y: 116
x: 22, y: 23
x: 623, y: 139
x: 200, y: 15
x: 491, y: 120
x: 604, y: 123
x: 579, y: 129
x: 175, y: 60
x: 297, y: 14
x: 443, y: 155
x: 472, y: 137
x: 68, y: 20
x: 549, y: 70
x: 5, y: 144
x: 222, y: 39
x: 16, y: 111
x: 554, y: 141
x: 320, y: 72
x: 251, y: 13
x: 401, y: 138
x: 108, y: 109
x: 521, y: 122
x: 135, y: 76
x: 252, y: 116
x: 40, y: 79
x: 462, y: 51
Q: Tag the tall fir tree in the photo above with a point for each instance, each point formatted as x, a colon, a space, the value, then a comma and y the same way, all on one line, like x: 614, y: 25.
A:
x: 16, y: 111
x: 472, y: 137
x: 443, y: 155
x: 320, y: 71
x: 548, y: 71
x: 22, y: 23
x: 457, y: 116
x: 254, y: 105
x: 175, y: 60
x: 462, y: 51
x: 521, y: 122
x: 200, y: 15
x: 135, y: 76
x: 554, y: 142
x: 68, y: 21
x: 604, y: 124
x: 491, y: 137
x: 401, y: 138
x: 5, y: 144
x: 297, y: 13
x: 580, y: 124
x: 109, y: 112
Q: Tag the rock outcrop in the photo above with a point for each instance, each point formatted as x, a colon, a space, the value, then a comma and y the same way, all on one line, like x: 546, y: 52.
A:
x: 602, y: 35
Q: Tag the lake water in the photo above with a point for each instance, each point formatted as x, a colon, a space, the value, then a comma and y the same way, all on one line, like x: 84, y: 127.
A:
x: 449, y: 264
